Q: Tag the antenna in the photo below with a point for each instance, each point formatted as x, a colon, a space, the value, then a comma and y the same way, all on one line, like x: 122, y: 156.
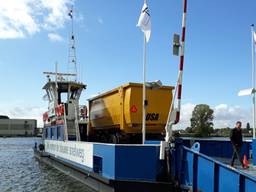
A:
x: 72, y: 68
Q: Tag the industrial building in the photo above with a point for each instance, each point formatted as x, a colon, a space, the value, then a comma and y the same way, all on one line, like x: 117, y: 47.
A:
x: 17, y: 127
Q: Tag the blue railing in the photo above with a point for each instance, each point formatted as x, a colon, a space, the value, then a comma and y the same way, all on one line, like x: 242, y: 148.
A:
x: 198, y: 172
x: 220, y: 147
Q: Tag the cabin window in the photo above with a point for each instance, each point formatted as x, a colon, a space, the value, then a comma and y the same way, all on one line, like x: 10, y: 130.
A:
x: 63, y: 97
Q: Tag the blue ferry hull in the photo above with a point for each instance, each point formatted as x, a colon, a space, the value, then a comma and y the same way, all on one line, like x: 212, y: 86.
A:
x: 129, y: 167
x: 115, y: 167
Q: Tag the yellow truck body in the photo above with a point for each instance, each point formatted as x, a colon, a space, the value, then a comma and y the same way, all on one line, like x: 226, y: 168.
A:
x: 121, y: 108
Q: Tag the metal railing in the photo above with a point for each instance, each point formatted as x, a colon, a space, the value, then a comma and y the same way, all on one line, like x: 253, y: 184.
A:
x: 198, y: 172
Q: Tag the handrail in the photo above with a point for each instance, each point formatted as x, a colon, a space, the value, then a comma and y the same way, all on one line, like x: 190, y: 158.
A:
x: 199, y: 172
x: 76, y: 125
x: 65, y: 125
x: 220, y: 163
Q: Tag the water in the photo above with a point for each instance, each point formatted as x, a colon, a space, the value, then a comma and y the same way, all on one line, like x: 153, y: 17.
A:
x: 21, y: 172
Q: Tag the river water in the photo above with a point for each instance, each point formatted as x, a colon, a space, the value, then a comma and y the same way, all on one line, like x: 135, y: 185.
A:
x: 21, y: 172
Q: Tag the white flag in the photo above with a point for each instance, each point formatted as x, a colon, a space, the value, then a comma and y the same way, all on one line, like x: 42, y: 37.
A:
x: 254, y: 36
x: 144, y: 22
x: 70, y: 14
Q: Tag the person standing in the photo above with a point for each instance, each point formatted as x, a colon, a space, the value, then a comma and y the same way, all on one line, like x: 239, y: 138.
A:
x: 236, y: 141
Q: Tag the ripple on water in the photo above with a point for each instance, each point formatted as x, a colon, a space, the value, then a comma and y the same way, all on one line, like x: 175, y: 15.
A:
x: 20, y: 171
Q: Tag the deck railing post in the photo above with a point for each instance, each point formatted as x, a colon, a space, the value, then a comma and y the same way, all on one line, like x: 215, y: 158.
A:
x: 195, y: 170
x: 241, y: 183
x: 216, y: 177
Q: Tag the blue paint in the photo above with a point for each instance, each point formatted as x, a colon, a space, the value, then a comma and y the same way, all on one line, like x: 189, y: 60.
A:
x: 55, y: 132
x: 250, y: 185
x: 55, y: 136
x: 155, y: 142
x: 137, y: 162
x: 209, y: 174
x: 254, y: 151
x: 49, y: 133
x: 60, y: 131
x: 127, y: 162
x: 107, y: 154
x: 228, y: 180
x: 187, y: 168
x: 205, y: 174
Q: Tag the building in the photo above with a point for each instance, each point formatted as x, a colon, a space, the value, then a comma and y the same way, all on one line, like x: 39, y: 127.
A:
x: 17, y: 127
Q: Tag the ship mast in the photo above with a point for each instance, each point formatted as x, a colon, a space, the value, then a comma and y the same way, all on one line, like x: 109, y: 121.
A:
x: 72, y: 65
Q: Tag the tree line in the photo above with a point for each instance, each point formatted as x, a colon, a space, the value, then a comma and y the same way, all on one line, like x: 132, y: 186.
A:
x: 201, y: 124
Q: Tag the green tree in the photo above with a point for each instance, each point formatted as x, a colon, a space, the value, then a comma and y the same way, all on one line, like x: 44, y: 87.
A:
x: 189, y: 130
x: 201, y: 121
x: 248, y: 127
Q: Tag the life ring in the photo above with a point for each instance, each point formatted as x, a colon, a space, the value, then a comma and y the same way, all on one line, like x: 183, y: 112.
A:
x: 61, y: 108
x: 57, y: 111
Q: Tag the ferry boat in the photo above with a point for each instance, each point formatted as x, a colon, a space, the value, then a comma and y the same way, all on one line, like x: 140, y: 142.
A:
x: 131, y: 167
x: 116, y: 167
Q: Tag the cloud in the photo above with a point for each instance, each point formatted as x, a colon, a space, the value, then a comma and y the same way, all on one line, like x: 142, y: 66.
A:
x: 55, y: 37
x: 22, y: 18
x: 57, y: 13
x: 186, y: 113
x: 30, y: 112
x: 16, y: 19
x: 224, y: 115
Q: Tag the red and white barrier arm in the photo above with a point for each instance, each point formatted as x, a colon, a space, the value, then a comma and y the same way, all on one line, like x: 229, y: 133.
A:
x: 179, y: 84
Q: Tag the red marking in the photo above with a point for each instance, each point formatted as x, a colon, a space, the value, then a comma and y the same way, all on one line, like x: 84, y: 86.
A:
x: 179, y: 91
x: 60, y: 122
x: 177, y: 117
x: 59, y: 110
x: 183, y: 33
x: 181, y: 62
x: 45, y: 116
x: 133, y: 109
x: 185, y: 6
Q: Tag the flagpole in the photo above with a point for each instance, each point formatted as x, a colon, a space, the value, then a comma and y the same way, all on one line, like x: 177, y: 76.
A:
x: 145, y: 25
x: 144, y: 93
x: 253, y: 79
x: 144, y: 89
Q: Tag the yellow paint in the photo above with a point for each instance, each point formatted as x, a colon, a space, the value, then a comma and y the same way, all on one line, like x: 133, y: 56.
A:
x: 113, y: 108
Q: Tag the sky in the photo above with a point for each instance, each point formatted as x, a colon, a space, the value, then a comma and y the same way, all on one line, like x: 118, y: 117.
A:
x: 34, y: 36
